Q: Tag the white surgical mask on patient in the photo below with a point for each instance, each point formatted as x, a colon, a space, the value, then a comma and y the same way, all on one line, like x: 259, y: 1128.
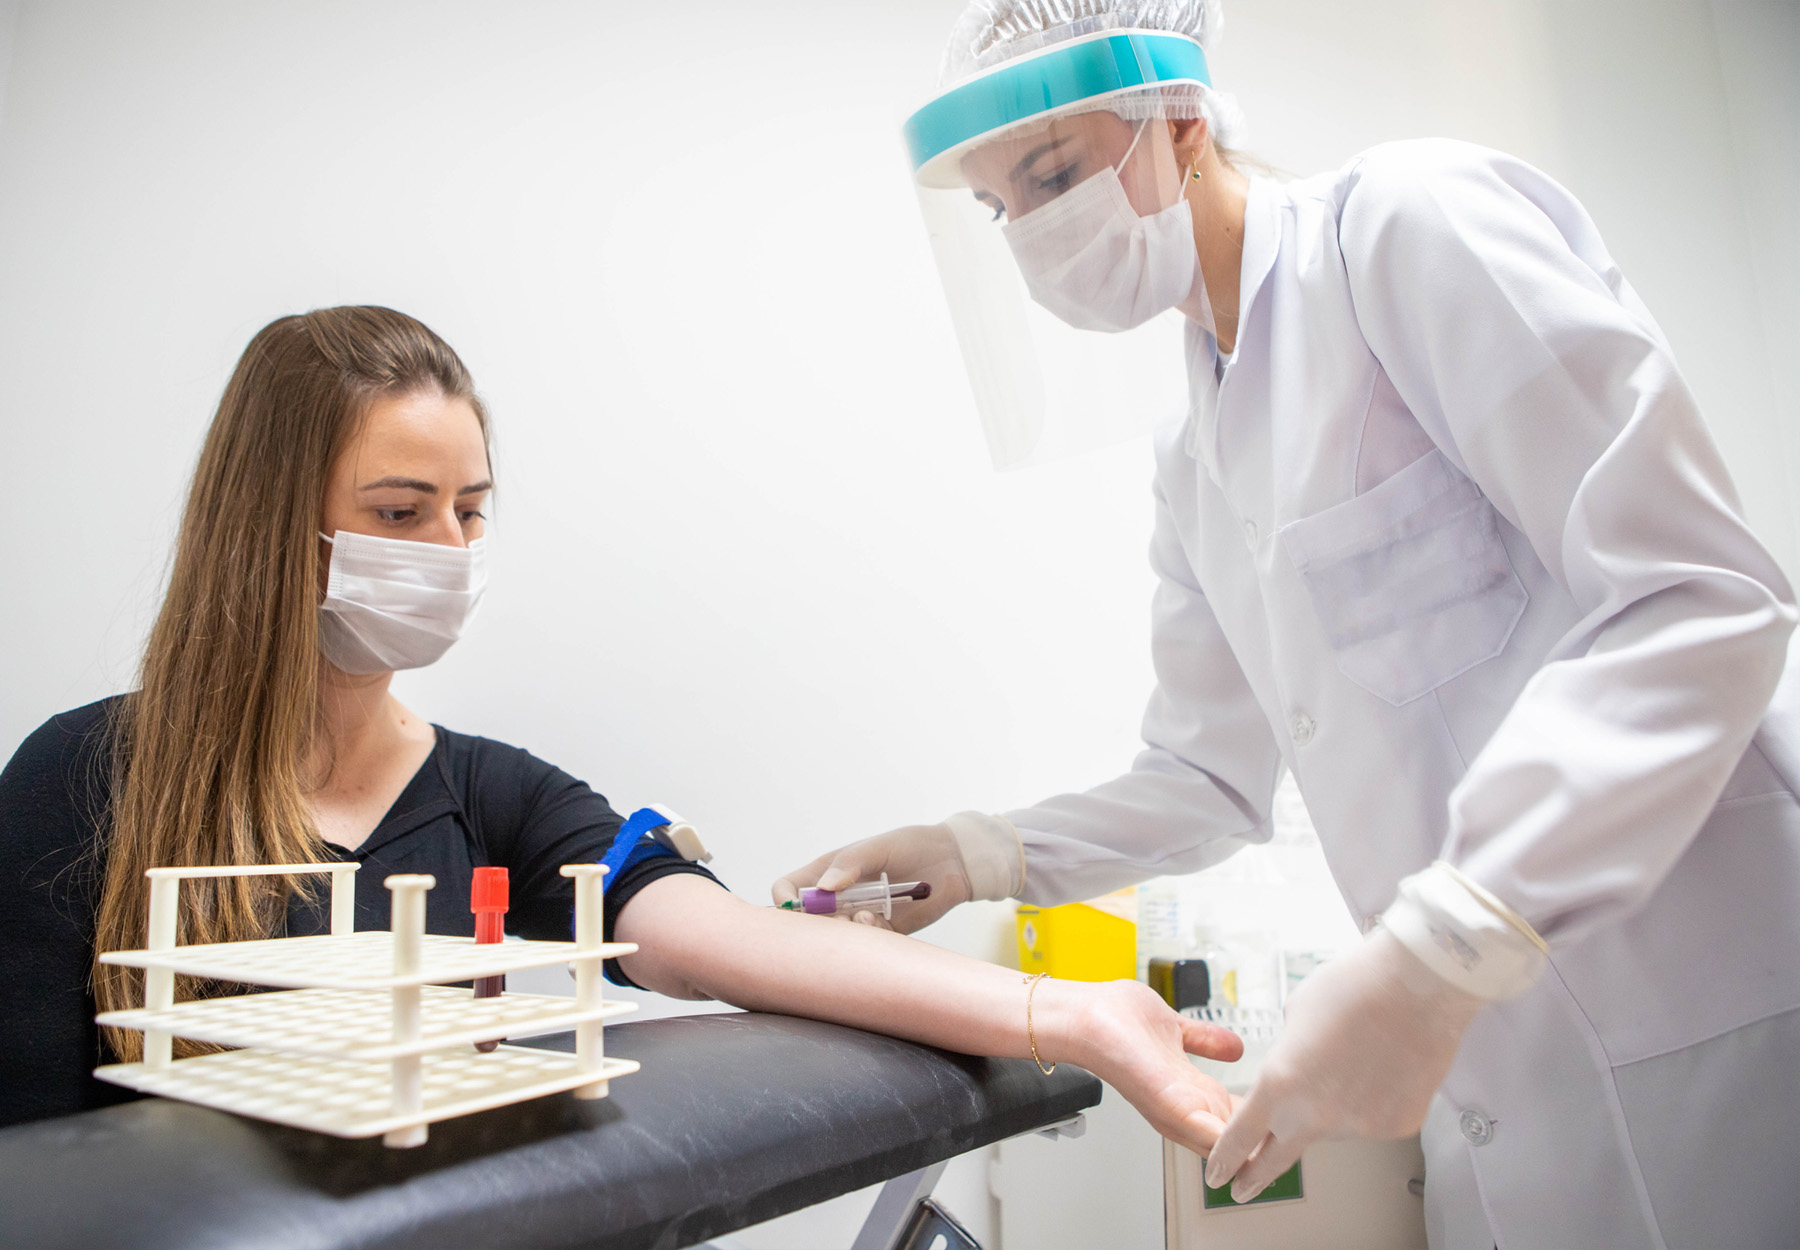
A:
x: 1089, y: 258
x: 392, y: 604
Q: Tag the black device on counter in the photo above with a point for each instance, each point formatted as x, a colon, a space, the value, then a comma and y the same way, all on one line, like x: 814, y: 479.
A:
x: 1181, y: 982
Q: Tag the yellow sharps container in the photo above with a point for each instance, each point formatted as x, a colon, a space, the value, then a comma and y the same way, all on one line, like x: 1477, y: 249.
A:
x: 1091, y: 941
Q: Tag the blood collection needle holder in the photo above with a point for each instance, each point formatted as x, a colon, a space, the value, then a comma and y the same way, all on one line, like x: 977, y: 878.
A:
x: 363, y: 1036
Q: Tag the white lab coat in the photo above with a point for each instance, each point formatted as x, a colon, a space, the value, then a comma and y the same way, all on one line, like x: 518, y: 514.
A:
x: 1451, y: 543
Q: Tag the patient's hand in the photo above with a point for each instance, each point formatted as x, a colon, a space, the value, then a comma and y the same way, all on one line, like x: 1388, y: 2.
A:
x: 1128, y: 1037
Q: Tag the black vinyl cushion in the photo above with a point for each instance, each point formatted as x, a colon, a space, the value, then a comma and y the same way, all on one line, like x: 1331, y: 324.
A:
x: 734, y: 1119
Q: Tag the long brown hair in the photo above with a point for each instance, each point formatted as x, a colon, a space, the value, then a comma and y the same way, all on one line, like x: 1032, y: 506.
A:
x: 208, y: 751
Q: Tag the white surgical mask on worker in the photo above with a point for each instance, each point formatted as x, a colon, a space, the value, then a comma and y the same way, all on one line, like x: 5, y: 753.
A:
x: 1089, y: 258
x: 394, y: 604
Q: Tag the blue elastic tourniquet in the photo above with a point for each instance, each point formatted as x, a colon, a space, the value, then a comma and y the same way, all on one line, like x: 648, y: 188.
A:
x: 631, y: 847
x: 642, y: 821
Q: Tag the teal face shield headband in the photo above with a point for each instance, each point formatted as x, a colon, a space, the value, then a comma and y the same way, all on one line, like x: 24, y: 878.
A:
x: 940, y: 133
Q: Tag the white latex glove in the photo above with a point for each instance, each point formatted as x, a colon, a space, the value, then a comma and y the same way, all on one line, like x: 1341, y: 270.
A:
x: 971, y: 855
x: 1365, y: 1042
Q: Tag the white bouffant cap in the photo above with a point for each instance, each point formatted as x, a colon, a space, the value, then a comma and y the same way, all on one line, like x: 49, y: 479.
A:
x: 992, y: 31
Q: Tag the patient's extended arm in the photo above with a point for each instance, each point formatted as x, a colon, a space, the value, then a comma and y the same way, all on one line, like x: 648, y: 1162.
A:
x: 698, y: 941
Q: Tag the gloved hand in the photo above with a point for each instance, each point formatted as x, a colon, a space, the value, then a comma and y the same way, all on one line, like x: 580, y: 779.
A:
x: 1365, y: 1042
x: 969, y: 856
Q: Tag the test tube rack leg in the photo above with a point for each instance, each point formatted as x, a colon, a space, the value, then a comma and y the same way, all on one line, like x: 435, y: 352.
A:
x: 354, y: 1003
x: 590, y: 1054
x: 408, y: 924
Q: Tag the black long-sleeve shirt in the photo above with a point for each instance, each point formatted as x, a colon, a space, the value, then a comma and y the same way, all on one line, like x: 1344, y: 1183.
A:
x: 473, y: 803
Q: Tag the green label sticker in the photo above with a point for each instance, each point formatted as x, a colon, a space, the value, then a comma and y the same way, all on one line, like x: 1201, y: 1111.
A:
x: 1285, y: 1188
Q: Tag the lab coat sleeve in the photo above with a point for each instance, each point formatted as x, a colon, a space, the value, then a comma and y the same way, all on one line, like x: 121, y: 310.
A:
x: 1485, y: 292
x: 1204, y: 784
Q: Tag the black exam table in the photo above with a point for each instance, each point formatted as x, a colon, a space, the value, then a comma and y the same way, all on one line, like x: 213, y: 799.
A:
x: 734, y: 1119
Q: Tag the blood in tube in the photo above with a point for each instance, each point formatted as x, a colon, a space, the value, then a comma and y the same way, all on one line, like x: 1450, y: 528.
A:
x: 488, y: 900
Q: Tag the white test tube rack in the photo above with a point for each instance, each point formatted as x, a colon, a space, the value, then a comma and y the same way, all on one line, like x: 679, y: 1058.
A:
x: 358, y: 1003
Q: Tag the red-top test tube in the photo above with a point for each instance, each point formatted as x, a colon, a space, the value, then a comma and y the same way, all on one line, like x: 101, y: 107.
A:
x: 488, y: 899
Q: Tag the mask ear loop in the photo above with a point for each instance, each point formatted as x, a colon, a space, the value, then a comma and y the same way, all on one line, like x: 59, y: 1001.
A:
x: 1142, y: 126
x: 1134, y: 142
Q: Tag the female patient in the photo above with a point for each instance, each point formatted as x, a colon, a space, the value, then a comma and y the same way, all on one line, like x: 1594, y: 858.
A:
x: 333, y: 534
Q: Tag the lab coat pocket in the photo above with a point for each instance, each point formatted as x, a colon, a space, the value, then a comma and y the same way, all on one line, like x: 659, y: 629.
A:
x: 1410, y: 580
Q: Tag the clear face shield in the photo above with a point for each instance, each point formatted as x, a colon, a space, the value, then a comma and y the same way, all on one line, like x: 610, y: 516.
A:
x: 1054, y: 200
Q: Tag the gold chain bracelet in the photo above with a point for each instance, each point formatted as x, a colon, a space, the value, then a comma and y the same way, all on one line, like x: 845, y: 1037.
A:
x: 1030, y: 1029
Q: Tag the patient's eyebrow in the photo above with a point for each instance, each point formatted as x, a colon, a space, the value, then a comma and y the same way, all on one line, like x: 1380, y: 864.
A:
x: 392, y: 482
x: 483, y: 484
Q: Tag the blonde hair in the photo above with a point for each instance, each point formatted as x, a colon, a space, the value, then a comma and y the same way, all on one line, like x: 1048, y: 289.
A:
x: 208, y: 751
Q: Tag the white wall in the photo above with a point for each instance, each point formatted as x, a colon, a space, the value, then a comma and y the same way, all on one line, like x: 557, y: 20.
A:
x: 1759, y: 65
x: 9, y: 17
x: 749, y: 559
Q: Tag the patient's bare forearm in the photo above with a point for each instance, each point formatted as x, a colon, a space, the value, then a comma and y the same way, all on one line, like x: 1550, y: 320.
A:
x: 697, y: 941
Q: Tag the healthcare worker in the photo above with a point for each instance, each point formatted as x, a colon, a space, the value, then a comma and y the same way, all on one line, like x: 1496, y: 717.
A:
x: 1444, y: 535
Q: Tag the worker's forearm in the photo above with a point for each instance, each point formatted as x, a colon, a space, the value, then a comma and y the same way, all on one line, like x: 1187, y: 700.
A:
x: 698, y: 941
